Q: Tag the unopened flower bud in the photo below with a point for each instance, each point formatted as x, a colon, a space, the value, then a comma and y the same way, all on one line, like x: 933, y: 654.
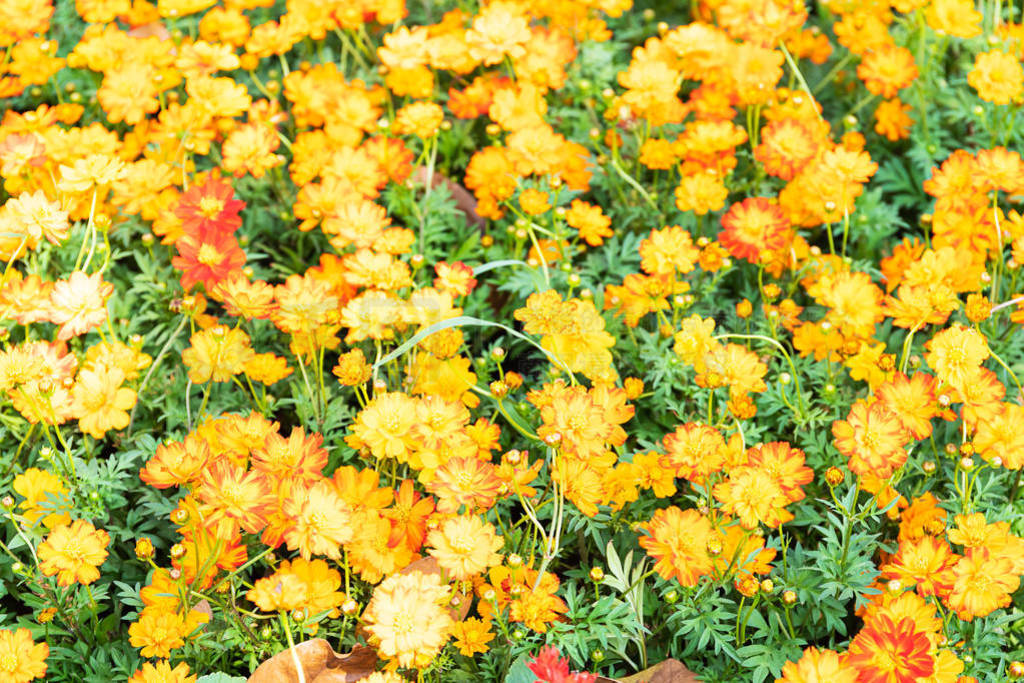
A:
x: 834, y: 476
x: 597, y: 575
x: 144, y: 548
x: 789, y: 597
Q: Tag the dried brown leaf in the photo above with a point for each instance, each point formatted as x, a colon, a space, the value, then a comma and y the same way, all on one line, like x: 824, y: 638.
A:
x: 669, y: 671
x: 319, y: 662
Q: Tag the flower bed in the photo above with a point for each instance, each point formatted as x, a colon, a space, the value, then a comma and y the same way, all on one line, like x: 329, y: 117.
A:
x: 444, y: 341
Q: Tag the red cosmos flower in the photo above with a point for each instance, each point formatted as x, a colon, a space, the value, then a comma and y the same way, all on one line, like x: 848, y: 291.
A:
x: 209, y: 207
x: 209, y: 258
x: 752, y: 227
x: 408, y: 517
x: 549, y: 667
x: 886, y: 652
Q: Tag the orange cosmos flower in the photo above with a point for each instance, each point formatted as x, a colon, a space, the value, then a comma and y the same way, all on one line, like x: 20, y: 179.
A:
x: 369, y: 554
x: 926, y: 563
x: 352, y: 368
x: 299, y: 584
x: 322, y: 521
x: 1000, y: 436
x: 872, y: 438
x: 752, y: 495
x: 157, y: 634
x: 21, y: 659
x: 887, y: 69
x: 668, y: 251
x: 912, y: 400
x: 100, y: 401
x: 997, y: 76
x: 455, y: 279
x: 892, y: 120
x: 408, y: 516
x: 471, y: 636
x: 590, y: 221
x: 250, y: 149
x: 73, y: 553
x: 465, y: 546
x: 787, y: 146
x: 677, y: 542
x: 421, y: 119
x: 38, y: 217
x: 79, y: 303
x: 983, y: 583
x: 784, y: 464
x: 753, y: 227
x: 176, y: 463
x: 96, y: 171
x: 45, y: 495
x: 407, y: 620
x: 956, y: 351
x: 234, y: 498
x: 163, y: 673
x: 216, y: 354
x: 694, y: 450
x: 890, y: 652
x: 244, y: 298
x: 208, y: 257
x: 1004, y: 170
x: 384, y: 427
x: 297, y: 457
x: 209, y: 207
x: 701, y: 192
x: 818, y: 666
x: 536, y: 605
x: 499, y: 29
x: 129, y: 92
x: 465, y: 481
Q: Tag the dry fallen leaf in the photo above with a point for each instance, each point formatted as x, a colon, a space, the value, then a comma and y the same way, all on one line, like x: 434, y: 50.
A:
x: 669, y: 671
x: 319, y: 662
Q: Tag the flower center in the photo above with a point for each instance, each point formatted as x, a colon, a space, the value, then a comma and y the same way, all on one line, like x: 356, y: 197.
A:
x: 209, y: 256
x: 404, y: 624
x: 8, y: 662
x: 210, y: 207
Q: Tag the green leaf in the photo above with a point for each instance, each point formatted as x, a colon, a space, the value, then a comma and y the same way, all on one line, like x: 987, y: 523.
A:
x: 518, y: 672
x: 220, y: 678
